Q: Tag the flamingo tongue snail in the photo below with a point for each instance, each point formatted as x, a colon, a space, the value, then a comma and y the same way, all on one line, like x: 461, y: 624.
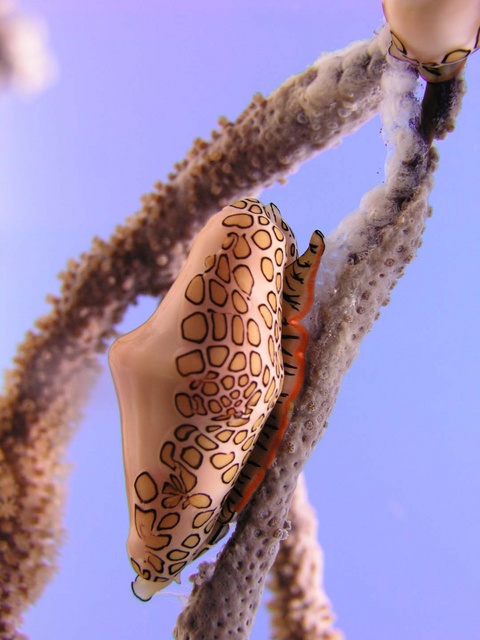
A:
x: 298, y: 292
x: 436, y: 36
x: 197, y: 383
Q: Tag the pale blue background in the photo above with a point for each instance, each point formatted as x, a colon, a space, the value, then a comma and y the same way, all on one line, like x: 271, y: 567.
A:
x: 396, y: 479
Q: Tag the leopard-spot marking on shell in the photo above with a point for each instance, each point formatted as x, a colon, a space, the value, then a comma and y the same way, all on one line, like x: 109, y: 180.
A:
x: 197, y: 381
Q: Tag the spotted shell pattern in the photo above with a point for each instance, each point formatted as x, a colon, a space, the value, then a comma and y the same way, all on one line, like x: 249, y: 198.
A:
x: 435, y: 71
x: 196, y: 384
x: 298, y: 293
x: 456, y: 21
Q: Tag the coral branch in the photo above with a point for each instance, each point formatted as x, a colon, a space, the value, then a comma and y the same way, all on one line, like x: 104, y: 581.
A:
x: 300, y: 607
x: 365, y: 257
x: 268, y: 141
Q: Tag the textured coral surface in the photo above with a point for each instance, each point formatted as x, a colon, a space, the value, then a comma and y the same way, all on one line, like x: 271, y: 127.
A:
x: 300, y: 607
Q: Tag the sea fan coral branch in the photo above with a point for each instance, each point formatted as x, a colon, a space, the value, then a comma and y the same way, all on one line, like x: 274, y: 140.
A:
x: 300, y: 607
x: 365, y: 256
x: 308, y: 113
